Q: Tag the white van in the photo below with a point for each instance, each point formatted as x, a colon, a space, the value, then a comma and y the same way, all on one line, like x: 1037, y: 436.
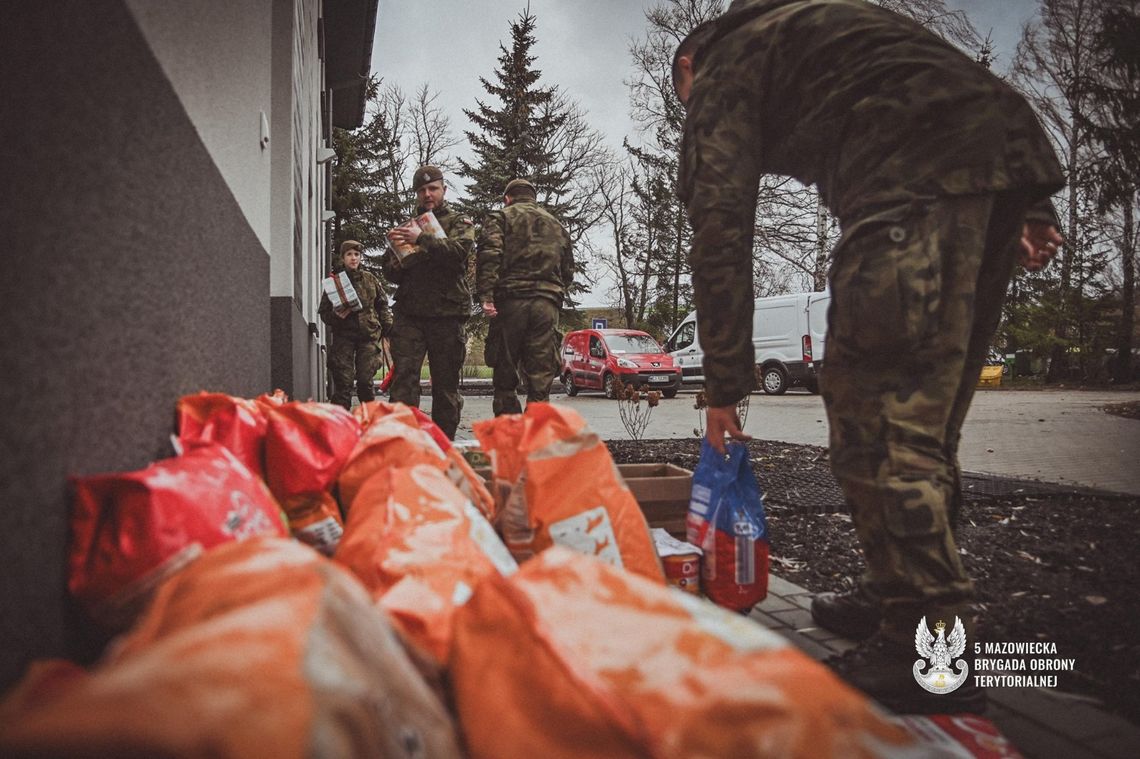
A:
x: 788, y: 332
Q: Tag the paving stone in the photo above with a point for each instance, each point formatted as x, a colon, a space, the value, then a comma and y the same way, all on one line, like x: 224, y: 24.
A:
x: 1036, y: 741
x: 775, y: 603
x: 802, y: 600
x: 781, y: 587
x: 796, y: 618
x: 1076, y: 719
x: 1123, y: 744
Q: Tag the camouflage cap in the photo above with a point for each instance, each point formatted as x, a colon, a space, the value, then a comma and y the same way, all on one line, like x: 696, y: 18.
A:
x: 348, y: 245
x: 426, y: 175
x: 524, y: 183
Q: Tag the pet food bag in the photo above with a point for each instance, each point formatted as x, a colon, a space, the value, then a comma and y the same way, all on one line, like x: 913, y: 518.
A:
x: 238, y: 424
x: 726, y: 521
x: 132, y: 530
x: 572, y: 657
x: 396, y: 436
x: 259, y: 649
x: 306, y: 446
x: 560, y: 487
x: 420, y: 546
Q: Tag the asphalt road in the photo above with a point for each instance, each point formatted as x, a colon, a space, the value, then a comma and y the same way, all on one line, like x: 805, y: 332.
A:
x: 1060, y: 436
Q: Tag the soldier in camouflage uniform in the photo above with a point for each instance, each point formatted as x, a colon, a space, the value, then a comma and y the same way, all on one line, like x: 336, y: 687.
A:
x: 939, y: 175
x: 524, y: 267
x: 433, y: 302
x: 355, y: 350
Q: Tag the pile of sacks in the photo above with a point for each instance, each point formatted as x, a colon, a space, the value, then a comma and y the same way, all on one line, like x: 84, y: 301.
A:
x: 302, y: 581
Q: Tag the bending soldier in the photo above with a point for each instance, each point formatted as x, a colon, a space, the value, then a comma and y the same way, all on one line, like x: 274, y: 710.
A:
x: 939, y: 174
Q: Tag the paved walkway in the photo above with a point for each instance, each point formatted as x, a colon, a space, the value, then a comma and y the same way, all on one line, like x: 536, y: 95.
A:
x: 1041, y: 723
x: 1055, y: 436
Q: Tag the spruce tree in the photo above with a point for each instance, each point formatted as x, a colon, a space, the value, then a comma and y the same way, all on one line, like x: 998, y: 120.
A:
x: 514, y: 140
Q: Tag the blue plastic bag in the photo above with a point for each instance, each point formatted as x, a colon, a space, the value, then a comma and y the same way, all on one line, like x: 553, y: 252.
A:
x: 726, y: 520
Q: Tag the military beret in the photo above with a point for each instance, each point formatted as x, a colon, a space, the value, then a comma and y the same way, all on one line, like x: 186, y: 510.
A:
x: 518, y: 183
x: 426, y: 175
x: 348, y: 245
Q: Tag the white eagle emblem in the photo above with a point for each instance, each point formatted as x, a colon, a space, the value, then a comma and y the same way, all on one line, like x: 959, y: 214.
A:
x: 941, y: 652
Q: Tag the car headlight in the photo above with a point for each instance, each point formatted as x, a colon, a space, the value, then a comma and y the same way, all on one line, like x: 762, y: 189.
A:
x: 625, y: 363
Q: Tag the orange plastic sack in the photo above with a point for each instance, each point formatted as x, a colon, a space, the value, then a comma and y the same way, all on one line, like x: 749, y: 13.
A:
x: 365, y: 413
x: 571, y: 657
x: 563, y: 488
x: 420, y: 546
x: 260, y: 649
x: 132, y: 530
x: 306, y: 446
x: 236, y: 423
x: 394, y: 437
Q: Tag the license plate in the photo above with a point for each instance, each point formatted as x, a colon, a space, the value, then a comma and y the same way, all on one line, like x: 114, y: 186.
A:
x: 659, y: 378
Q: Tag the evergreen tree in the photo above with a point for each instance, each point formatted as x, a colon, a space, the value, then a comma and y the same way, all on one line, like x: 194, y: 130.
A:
x: 513, y: 140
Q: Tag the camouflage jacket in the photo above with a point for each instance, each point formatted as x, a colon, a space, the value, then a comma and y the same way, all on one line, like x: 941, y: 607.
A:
x: 370, y: 322
x: 524, y: 252
x: 868, y: 106
x: 433, y: 280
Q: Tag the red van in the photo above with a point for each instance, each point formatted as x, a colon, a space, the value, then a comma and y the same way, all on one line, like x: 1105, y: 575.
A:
x: 593, y: 358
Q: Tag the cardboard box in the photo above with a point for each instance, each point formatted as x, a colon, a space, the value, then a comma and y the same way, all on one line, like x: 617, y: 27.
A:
x: 662, y: 491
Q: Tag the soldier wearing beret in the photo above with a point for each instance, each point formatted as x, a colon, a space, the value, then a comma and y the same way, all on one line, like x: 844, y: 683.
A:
x: 354, y: 353
x: 432, y: 303
x: 524, y: 267
x: 939, y: 174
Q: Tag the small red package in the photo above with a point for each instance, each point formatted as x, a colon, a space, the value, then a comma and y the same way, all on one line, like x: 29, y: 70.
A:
x: 132, y: 530
x: 236, y: 423
x: 306, y: 446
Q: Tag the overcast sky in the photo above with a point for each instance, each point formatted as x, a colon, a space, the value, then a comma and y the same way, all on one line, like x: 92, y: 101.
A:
x: 582, y: 47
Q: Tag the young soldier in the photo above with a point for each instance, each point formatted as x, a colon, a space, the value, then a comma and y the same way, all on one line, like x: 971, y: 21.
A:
x: 354, y: 353
x: 939, y: 175
x: 524, y: 267
x: 432, y: 303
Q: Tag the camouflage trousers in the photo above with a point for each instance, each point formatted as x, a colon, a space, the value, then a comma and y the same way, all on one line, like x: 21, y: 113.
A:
x: 520, y: 339
x: 353, y: 361
x: 441, y: 340
x: 917, y: 292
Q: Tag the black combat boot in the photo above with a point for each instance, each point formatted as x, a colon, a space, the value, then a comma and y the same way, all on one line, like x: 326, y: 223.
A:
x: 852, y: 614
x: 882, y: 667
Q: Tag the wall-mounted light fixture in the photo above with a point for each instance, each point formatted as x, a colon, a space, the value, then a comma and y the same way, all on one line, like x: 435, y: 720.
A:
x: 325, y: 154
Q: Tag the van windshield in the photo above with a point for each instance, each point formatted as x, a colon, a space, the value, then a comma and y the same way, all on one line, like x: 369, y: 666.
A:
x: 632, y: 344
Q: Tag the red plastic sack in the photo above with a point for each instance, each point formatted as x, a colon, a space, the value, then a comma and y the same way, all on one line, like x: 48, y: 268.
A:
x: 236, y: 423
x: 132, y: 530
x: 726, y: 521
x: 419, y: 546
x: 259, y: 649
x: 306, y: 446
x: 562, y: 488
x: 571, y: 657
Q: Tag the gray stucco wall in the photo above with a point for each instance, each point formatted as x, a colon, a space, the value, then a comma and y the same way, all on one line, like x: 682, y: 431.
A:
x: 129, y: 277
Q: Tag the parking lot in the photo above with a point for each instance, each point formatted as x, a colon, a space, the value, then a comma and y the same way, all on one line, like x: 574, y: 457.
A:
x: 1060, y: 436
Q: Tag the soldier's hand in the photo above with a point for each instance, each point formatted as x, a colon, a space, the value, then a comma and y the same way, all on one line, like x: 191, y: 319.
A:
x: 489, y: 309
x: 342, y: 312
x: 1039, y: 243
x: 721, y: 421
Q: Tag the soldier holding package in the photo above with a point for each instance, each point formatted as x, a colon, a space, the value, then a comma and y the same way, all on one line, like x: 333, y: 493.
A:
x: 354, y: 354
x: 432, y: 304
x: 524, y: 267
x: 939, y: 174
